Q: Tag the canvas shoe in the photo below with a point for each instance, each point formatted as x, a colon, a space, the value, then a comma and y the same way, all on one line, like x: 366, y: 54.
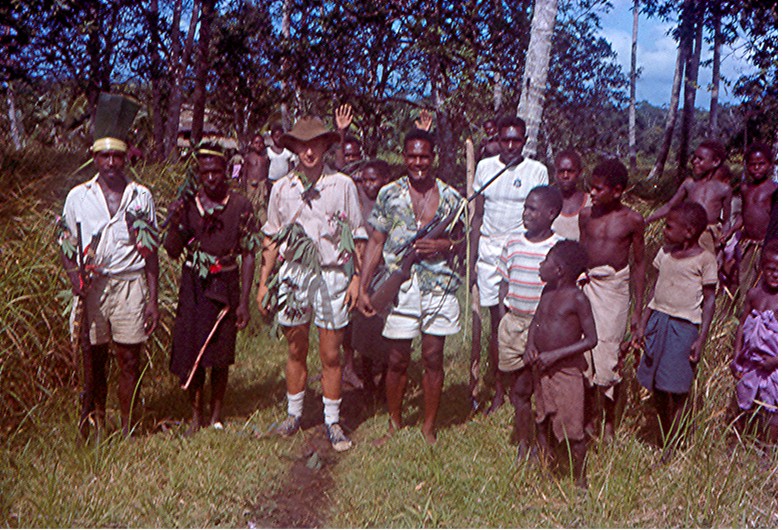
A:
x: 289, y: 426
x: 339, y: 441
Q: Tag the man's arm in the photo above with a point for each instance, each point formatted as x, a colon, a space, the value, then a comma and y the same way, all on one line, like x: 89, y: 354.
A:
x: 726, y: 211
x: 151, y: 272
x: 268, y: 258
x: 588, y: 337
x: 372, y: 257
x: 637, y: 275
x: 740, y: 335
x: 248, y: 271
x: 677, y: 199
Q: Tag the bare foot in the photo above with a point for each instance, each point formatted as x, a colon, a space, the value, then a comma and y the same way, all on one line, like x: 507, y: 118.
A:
x: 195, y: 425
x: 380, y: 442
x: 496, y: 403
x: 589, y: 430
x: 430, y: 436
x: 608, y: 432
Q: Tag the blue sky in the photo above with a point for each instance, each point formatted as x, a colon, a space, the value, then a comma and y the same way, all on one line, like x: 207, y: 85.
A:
x: 657, y: 56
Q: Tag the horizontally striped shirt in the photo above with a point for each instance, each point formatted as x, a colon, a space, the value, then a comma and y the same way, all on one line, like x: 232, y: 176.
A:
x: 519, y: 265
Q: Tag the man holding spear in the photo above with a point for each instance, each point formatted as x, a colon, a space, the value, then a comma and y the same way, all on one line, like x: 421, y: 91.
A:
x: 116, y: 285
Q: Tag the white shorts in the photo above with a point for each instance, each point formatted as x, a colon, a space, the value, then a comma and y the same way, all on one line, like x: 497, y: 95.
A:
x: 488, y: 277
x: 303, y: 292
x: 416, y: 313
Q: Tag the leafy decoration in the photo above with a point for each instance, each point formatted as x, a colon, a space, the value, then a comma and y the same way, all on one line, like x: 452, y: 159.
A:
x: 64, y: 238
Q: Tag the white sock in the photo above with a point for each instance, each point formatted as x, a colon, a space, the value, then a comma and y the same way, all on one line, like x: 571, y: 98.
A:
x: 295, y: 404
x: 331, y: 410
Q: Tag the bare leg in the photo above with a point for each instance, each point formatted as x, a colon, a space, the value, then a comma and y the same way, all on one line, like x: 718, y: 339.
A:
x: 590, y: 409
x: 475, y: 351
x: 100, y: 356
x: 494, y: 359
x: 521, y: 394
x: 349, y: 372
x: 219, y: 386
x: 196, y: 394
x: 296, y: 367
x: 331, y: 379
x: 128, y: 357
x: 396, y: 379
x: 609, y: 409
x: 578, y: 451
x: 432, y: 354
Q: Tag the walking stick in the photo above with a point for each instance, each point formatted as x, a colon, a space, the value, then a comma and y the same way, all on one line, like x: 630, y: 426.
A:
x: 220, y: 316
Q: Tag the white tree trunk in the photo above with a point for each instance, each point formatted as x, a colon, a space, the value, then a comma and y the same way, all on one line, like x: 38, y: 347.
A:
x: 715, y: 71
x: 13, y: 118
x: 286, y: 33
x: 632, y: 150
x: 497, y: 92
x: 533, y: 87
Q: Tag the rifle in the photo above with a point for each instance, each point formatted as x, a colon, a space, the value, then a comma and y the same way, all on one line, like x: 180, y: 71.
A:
x: 386, y: 292
x: 82, y: 332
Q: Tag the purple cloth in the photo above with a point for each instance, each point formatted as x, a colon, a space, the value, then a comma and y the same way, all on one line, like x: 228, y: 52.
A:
x: 760, y: 338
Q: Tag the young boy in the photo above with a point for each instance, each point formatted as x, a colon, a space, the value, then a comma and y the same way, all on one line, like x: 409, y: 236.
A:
x: 568, y: 167
x: 520, y: 289
x: 610, y: 233
x: 562, y: 330
x: 756, y: 364
x: 756, y: 194
x: 678, y: 317
x: 705, y: 189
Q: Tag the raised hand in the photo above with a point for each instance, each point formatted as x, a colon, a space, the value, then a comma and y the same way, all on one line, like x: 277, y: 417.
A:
x: 424, y: 121
x: 343, y: 116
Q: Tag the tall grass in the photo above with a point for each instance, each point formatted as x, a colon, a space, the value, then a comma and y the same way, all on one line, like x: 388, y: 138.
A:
x: 231, y: 478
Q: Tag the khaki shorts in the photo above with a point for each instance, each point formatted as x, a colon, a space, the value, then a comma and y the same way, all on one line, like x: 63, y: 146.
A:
x: 431, y: 313
x: 116, y: 310
x: 512, y: 338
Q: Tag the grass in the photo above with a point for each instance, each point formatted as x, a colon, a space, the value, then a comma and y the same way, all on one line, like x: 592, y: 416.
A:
x: 230, y: 478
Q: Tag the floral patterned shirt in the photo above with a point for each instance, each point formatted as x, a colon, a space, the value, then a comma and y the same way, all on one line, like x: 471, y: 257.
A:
x: 393, y: 215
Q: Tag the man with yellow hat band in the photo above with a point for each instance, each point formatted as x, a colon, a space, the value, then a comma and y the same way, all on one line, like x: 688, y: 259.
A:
x: 318, y: 212
x: 116, y: 219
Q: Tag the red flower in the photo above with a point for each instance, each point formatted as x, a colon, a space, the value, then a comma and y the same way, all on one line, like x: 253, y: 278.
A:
x: 216, y: 267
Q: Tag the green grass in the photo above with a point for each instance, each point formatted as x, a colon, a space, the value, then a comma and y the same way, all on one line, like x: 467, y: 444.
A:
x: 229, y: 479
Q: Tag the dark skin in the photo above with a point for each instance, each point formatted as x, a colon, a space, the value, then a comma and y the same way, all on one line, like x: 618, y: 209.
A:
x: 214, y: 190
x: 537, y: 219
x: 611, y: 233
x: 112, y: 182
x: 256, y: 164
x: 562, y: 328
x: 681, y: 241
x: 702, y: 188
x: 568, y: 178
x: 511, y: 143
x: 756, y: 194
x: 418, y: 157
x: 489, y: 146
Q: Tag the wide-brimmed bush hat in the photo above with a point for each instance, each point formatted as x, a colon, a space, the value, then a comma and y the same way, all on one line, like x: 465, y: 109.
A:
x: 305, y: 130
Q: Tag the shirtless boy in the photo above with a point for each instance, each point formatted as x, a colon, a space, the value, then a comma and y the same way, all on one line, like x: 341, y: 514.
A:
x: 611, y: 233
x: 562, y: 330
x: 706, y: 189
x: 567, y: 178
x: 756, y: 193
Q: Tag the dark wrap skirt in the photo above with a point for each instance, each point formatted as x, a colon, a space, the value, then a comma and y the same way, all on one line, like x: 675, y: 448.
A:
x: 665, y: 364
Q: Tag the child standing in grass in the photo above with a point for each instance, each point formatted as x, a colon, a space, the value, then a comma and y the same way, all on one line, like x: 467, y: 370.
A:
x: 756, y: 363
x: 678, y: 317
x: 568, y: 167
x: 519, y: 294
x: 562, y: 330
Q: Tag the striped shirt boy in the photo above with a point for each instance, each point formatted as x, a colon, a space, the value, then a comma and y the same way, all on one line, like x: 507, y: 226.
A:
x: 519, y: 264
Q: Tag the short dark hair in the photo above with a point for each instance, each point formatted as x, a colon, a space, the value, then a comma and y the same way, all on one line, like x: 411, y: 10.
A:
x: 510, y: 120
x: 762, y: 148
x: 614, y: 171
x: 490, y: 120
x: 550, y: 196
x: 276, y: 126
x: 694, y: 216
x: 571, y: 256
x: 350, y: 139
x: 716, y: 148
x: 419, y: 134
x: 771, y: 248
x: 570, y: 154
x: 381, y: 166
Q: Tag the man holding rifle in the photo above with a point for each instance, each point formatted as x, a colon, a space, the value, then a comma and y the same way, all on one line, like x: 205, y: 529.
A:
x: 426, y: 302
x: 113, y: 266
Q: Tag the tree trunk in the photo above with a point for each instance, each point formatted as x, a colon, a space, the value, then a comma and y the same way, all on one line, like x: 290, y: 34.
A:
x: 715, y: 68
x: 670, y: 119
x: 158, y: 103
x: 286, y: 34
x: 690, y: 87
x: 177, y: 66
x: 13, y: 118
x: 632, y: 149
x: 202, y: 71
x: 497, y: 93
x: 533, y: 87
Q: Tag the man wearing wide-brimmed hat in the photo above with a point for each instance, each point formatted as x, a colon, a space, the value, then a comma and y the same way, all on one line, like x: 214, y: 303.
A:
x: 115, y: 218
x: 313, y: 219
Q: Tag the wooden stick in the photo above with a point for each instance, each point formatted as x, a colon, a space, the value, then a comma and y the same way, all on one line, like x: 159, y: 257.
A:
x: 220, y: 316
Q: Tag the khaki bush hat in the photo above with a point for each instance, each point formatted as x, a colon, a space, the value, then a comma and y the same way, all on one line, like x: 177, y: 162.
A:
x: 307, y: 129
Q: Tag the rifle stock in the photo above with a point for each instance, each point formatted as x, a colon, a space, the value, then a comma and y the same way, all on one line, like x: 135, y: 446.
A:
x: 82, y: 331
